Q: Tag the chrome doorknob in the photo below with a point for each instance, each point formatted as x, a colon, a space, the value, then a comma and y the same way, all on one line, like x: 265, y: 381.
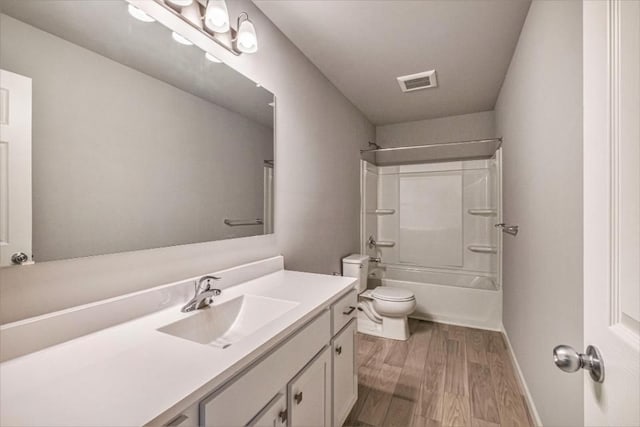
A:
x: 569, y: 360
x: 19, y: 258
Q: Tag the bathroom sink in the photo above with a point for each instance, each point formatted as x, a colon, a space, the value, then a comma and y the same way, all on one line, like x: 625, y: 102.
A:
x: 222, y: 325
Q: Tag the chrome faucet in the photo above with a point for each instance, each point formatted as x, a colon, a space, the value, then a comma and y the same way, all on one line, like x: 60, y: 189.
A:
x: 203, y: 296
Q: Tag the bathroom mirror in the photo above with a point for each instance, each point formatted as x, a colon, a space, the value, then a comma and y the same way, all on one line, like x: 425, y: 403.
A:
x: 138, y: 141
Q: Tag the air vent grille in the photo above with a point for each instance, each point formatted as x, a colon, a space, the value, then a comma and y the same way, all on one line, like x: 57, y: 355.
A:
x: 418, y: 81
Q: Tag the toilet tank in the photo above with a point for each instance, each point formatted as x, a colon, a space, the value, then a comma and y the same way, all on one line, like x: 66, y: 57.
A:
x: 357, y: 265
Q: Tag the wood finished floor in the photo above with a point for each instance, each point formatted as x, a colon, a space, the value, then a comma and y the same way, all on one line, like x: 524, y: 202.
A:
x: 443, y: 375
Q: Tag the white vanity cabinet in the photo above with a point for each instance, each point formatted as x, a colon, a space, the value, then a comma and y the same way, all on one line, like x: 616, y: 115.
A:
x: 308, y: 380
x: 239, y: 401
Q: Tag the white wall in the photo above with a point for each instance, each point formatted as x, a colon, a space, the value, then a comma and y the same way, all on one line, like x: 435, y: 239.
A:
x: 446, y: 129
x: 318, y: 135
x: 111, y: 195
x: 539, y: 115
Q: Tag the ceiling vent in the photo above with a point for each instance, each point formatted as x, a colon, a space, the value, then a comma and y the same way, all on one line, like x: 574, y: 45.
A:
x: 418, y: 81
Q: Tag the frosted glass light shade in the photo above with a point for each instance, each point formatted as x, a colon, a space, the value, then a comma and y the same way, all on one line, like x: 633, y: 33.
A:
x: 181, y: 3
x: 247, y: 38
x: 216, y: 16
x: 192, y: 14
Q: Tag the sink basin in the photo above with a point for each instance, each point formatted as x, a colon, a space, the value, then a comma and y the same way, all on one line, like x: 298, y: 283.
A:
x: 221, y: 325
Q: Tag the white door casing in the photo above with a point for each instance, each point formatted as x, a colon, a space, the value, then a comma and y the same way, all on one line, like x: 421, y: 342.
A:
x: 15, y: 166
x: 611, y: 31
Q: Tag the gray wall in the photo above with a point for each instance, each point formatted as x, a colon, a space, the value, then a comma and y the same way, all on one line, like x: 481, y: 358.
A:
x: 539, y: 115
x: 122, y: 161
x: 318, y: 135
x: 434, y: 131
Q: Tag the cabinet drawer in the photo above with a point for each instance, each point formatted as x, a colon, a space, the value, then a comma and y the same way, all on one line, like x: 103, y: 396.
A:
x: 345, y: 374
x: 241, y: 400
x: 343, y: 310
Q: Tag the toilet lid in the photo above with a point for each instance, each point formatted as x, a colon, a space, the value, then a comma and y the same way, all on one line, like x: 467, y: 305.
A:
x: 388, y: 293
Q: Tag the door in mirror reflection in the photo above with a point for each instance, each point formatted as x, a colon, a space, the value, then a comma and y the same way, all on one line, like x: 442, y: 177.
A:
x: 15, y: 169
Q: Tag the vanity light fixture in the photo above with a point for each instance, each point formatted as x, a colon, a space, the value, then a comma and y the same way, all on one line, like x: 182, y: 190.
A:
x: 181, y: 39
x: 216, y: 16
x: 212, y: 58
x: 139, y: 15
x: 211, y: 18
x: 246, y: 40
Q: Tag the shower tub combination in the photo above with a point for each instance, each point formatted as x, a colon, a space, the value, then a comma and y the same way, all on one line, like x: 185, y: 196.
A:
x: 446, y: 297
x: 428, y: 221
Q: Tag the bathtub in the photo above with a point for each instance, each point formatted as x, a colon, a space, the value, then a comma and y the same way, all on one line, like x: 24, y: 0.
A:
x: 458, y: 298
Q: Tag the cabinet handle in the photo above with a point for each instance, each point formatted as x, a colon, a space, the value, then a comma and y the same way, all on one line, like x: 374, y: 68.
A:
x: 298, y: 397
x: 339, y: 349
x: 283, y: 416
x: 349, y: 310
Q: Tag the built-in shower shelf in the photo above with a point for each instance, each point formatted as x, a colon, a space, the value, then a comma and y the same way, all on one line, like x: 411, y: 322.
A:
x: 382, y: 212
x: 385, y: 244
x: 483, y: 212
x: 484, y: 249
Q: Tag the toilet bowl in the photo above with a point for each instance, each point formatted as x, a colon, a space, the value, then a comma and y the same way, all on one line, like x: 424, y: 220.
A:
x: 382, y: 311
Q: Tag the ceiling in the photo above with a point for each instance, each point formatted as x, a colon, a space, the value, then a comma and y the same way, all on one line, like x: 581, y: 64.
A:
x: 147, y: 48
x: 363, y: 45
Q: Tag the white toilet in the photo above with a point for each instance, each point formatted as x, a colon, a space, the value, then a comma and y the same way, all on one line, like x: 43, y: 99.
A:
x: 382, y: 311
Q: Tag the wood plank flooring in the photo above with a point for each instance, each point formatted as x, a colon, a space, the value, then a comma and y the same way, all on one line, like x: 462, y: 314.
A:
x: 444, y: 375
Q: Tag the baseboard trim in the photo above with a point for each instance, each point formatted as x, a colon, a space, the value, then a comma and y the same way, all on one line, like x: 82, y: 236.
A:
x: 458, y: 322
x: 523, y: 383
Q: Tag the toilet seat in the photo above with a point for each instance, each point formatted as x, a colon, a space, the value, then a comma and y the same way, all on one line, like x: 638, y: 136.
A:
x: 389, y: 293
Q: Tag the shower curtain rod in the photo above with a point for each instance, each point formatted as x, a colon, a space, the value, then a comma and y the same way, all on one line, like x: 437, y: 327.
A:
x: 410, y: 147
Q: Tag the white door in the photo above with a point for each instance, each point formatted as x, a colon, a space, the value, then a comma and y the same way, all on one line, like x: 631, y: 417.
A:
x: 612, y: 208
x: 15, y: 167
x: 310, y: 394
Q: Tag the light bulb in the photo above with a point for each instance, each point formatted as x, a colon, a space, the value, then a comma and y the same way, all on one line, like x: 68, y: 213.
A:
x: 139, y: 14
x: 212, y: 58
x: 180, y: 3
x: 192, y: 14
x: 216, y: 16
x: 181, y: 39
x: 247, y: 39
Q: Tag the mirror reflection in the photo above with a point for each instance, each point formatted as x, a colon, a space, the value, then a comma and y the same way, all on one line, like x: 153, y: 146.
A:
x: 136, y: 142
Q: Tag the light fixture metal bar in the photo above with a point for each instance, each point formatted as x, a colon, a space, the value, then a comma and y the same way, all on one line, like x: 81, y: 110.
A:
x: 203, y: 30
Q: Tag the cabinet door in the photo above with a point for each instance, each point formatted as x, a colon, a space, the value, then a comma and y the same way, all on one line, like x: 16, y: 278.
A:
x: 274, y: 415
x: 309, y: 393
x: 345, y: 374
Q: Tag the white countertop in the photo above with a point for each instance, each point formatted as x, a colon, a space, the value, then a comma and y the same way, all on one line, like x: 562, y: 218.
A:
x: 132, y: 374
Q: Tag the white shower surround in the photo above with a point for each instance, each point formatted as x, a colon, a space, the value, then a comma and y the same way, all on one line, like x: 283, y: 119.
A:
x: 452, y: 283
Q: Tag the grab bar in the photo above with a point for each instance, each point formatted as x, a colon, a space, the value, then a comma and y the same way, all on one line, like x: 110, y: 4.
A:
x: 373, y: 244
x: 382, y: 212
x: 238, y: 222
x: 485, y: 249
